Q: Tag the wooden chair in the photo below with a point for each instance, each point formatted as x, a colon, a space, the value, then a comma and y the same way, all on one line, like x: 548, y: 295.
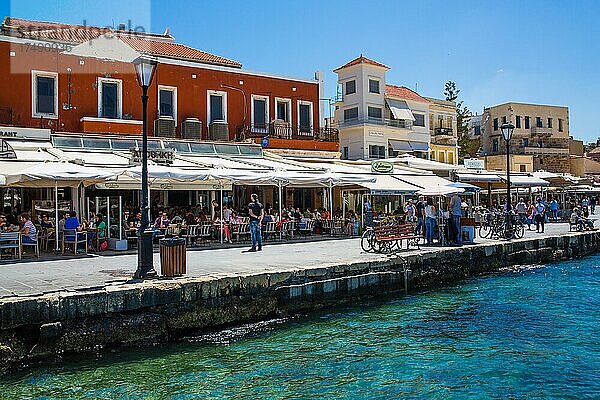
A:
x: 271, y: 230
x: 192, y: 234
x: 11, y: 240
x: 307, y: 229
x: 35, y: 245
x: 72, y: 236
x: 204, y: 233
x: 241, y: 230
x: 289, y: 227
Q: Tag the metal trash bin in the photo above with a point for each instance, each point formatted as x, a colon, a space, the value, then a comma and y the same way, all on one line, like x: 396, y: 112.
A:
x: 172, y: 257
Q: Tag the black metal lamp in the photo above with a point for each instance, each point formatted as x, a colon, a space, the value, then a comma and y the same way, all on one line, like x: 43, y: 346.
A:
x: 507, y: 131
x: 144, y: 70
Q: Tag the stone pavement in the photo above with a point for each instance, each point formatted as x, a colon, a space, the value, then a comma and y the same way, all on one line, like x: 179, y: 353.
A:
x: 38, y: 277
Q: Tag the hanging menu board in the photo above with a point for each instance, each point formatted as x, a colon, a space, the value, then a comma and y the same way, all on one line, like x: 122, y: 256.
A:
x: 47, y: 207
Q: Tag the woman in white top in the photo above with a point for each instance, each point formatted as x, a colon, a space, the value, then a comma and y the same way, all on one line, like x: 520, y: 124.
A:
x: 430, y: 213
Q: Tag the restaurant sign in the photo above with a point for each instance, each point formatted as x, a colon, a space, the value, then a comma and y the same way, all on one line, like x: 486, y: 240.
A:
x: 13, y: 132
x: 159, y: 156
x: 474, y: 163
x: 382, y: 167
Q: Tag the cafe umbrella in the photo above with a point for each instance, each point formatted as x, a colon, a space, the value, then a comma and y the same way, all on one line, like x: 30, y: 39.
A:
x: 55, y: 174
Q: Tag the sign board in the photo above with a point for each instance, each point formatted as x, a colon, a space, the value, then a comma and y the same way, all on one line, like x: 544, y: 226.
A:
x: 159, y: 156
x: 474, y: 163
x: 264, y: 142
x: 12, y: 132
x: 382, y: 167
x: 376, y: 133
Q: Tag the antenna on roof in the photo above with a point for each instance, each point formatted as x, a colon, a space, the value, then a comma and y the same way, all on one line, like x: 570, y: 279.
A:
x: 417, y: 87
x: 167, y: 32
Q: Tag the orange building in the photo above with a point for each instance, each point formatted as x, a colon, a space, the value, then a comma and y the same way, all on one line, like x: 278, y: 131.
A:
x: 80, y: 79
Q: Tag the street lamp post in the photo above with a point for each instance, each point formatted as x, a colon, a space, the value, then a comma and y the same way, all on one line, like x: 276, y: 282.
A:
x: 144, y: 70
x: 507, y: 131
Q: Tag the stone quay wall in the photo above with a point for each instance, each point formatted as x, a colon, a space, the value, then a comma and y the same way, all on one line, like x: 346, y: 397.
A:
x: 46, y: 327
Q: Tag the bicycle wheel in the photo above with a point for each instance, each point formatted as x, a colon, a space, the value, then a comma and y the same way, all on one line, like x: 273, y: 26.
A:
x: 519, y: 230
x: 367, y: 241
x: 484, y: 230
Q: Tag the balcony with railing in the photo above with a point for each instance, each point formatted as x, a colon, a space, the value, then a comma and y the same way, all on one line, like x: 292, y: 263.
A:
x: 394, y: 123
x: 284, y: 130
x: 541, y: 131
x: 441, y: 131
x: 538, y: 151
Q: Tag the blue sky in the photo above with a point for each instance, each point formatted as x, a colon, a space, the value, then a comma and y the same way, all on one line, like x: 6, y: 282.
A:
x: 496, y: 51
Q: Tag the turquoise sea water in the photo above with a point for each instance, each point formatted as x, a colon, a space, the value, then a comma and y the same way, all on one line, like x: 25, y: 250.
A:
x: 523, y: 334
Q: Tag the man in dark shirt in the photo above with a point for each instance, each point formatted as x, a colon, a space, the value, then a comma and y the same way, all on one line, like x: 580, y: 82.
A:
x: 420, y: 207
x: 256, y: 212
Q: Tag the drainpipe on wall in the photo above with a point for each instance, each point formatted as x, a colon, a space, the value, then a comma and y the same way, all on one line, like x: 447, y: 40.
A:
x: 319, y: 77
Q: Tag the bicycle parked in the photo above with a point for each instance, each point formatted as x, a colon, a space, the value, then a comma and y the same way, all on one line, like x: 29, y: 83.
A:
x: 494, y: 225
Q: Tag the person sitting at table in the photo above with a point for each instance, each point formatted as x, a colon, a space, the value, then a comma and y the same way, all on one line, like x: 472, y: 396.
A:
x: 46, y: 222
x: 6, y: 226
x: 349, y: 222
x: 72, y: 222
x: 61, y: 222
x: 29, y: 231
x: 226, y: 230
x: 190, y: 219
x: 226, y: 213
x: 309, y: 214
x: 235, y: 218
x: 162, y: 222
x: 99, y: 227
x: 297, y: 215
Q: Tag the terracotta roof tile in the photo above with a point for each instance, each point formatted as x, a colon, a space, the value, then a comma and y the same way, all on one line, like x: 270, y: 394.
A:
x: 147, y: 43
x: 361, y: 60
x: 403, y: 92
x: 175, y: 50
x: 595, y: 150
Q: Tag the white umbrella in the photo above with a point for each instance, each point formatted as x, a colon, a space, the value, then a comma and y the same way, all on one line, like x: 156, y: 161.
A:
x: 166, y: 173
x: 58, y: 174
x: 440, y: 191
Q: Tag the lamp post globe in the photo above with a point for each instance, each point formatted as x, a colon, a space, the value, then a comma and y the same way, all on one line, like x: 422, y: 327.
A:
x: 507, y: 131
x: 144, y: 70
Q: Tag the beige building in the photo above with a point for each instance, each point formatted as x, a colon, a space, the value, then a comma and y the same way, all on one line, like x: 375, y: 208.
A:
x: 540, y: 140
x: 378, y: 120
x: 443, y: 131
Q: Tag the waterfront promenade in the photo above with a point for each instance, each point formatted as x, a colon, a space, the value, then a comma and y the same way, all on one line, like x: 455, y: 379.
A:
x: 34, y: 278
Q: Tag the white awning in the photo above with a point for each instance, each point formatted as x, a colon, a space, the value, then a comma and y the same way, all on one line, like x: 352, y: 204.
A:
x: 389, y: 185
x: 477, y: 177
x: 525, y: 181
x: 62, y: 174
x: 425, y: 181
x: 400, y: 109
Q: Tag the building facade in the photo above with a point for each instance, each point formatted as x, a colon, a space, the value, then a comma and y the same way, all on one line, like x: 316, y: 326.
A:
x: 540, y: 139
x: 379, y: 120
x: 443, y: 131
x: 80, y: 79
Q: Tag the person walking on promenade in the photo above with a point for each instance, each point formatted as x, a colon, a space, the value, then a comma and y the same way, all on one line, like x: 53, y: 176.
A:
x: 540, y: 215
x: 455, y: 213
x: 554, y: 209
x: 430, y: 213
x: 522, y: 210
x: 256, y: 212
x: 530, y: 211
x: 420, y: 210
